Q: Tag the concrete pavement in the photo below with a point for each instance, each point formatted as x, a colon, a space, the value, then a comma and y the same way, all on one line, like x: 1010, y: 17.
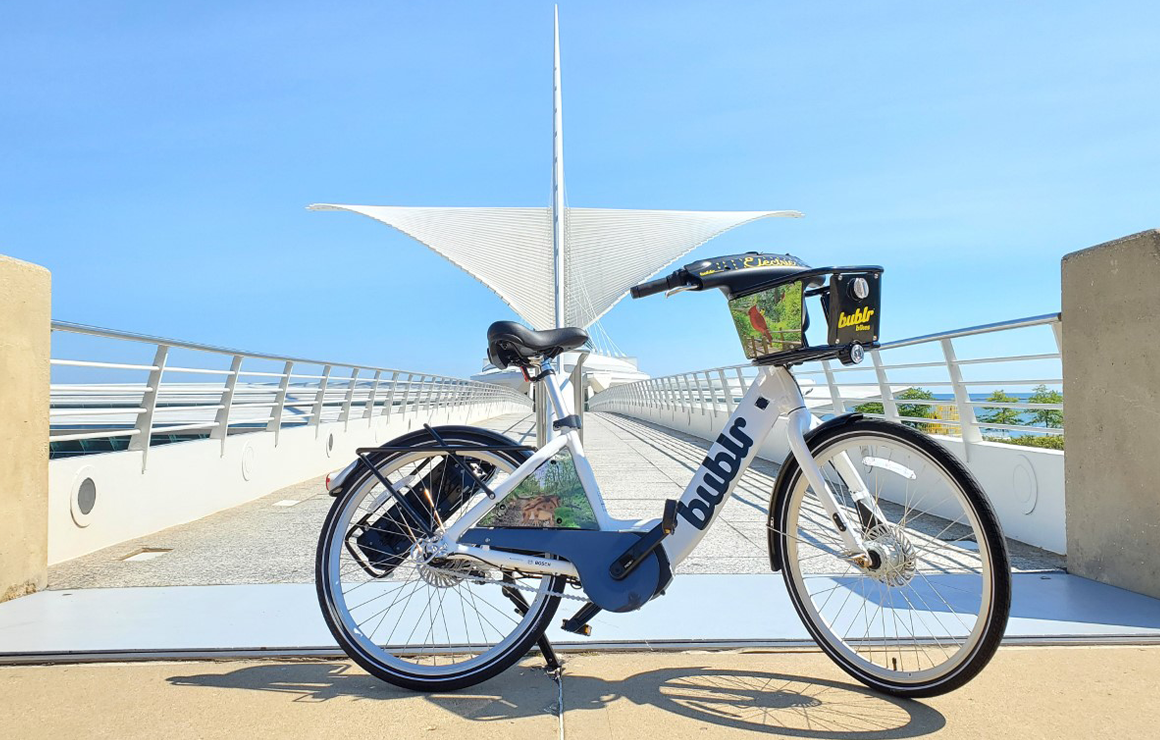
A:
x: 1026, y: 693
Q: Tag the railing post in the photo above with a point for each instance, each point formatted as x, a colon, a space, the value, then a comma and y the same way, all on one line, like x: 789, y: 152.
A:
x: 888, y: 405
x: 406, y: 404
x: 836, y: 401
x: 275, y: 422
x: 712, y: 392
x: 140, y: 440
x: 423, y: 395
x: 369, y: 410
x: 349, y: 400
x: 725, y: 389
x: 432, y: 393
x: 319, y: 401
x: 411, y: 393
x: 968, y: 424
x: 222, y: 418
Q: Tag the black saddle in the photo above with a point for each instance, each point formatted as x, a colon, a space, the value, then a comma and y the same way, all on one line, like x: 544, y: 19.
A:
x: 511, y: 343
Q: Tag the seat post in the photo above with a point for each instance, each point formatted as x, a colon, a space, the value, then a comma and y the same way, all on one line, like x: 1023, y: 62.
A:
x: 555, y: 406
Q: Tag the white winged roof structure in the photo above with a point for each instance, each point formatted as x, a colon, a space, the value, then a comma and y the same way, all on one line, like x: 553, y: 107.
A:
x: 510, y: 250
x: 558, y: 266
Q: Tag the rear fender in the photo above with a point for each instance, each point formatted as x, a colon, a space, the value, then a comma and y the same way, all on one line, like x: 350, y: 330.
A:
x: 336, y: 481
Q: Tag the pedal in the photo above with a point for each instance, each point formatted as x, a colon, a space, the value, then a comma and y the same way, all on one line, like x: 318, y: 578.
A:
x: 577, y: 624
x: 669, y: 519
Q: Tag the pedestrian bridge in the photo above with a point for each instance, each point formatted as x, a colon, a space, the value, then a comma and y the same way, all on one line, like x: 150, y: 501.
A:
x: 173, y: 497
x: 251, y: 567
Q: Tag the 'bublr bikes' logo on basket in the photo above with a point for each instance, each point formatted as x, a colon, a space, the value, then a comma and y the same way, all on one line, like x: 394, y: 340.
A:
x: 720, y: 471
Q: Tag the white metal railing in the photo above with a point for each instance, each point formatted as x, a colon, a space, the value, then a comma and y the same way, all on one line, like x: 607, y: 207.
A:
x: 245, y: 392
x: 898, y: 378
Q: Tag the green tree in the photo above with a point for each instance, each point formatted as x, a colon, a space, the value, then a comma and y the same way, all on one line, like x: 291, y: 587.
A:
x: 916, y: 410
x: 1046, y: 441
x: 1046, y: 417
x: 1000, y: 414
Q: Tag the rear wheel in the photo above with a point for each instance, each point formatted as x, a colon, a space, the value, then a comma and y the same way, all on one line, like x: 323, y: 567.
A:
x: 396, y: 608
x: 928, y: 611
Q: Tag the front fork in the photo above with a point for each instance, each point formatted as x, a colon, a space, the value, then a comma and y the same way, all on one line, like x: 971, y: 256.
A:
x: 798, y: 422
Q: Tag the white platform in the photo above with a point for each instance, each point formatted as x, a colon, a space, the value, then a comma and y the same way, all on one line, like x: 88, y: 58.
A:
x: 285, y: 618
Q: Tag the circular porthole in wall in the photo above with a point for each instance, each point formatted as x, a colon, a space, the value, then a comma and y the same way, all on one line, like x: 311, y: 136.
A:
x: 330, y: 444
x: 83, y: 496
x: 249, y: 458
x: 1024, y: 485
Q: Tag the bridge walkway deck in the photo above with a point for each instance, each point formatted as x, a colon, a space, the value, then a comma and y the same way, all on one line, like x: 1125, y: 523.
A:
x: 240, y: 582
x: 272, y: 539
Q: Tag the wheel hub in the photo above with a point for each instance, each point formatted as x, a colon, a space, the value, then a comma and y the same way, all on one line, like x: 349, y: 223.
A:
x: 892, y: 554
x: 435, y: 570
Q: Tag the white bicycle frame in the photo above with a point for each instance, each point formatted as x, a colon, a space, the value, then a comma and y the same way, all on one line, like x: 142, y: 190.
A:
x: 774, y: 393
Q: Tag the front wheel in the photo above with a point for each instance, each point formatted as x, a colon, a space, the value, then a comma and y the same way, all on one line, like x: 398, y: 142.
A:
x: 928, y: 611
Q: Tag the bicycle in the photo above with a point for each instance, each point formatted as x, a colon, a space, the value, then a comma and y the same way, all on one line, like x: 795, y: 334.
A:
x: 892, y: 556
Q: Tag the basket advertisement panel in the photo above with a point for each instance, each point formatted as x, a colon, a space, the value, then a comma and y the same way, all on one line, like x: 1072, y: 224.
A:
x: 769, y: 321
x: 551, y: 497
x: 855, y: 310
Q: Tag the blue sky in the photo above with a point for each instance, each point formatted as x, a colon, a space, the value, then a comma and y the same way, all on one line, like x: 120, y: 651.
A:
x: 158, y: 157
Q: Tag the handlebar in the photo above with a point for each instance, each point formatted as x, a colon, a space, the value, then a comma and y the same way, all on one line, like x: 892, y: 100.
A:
x: 678, y: 279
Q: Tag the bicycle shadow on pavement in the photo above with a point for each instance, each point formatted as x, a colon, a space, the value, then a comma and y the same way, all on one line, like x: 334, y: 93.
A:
x: 776, y: 703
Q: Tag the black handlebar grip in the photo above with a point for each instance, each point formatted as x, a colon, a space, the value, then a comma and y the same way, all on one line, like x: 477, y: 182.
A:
x: 659, y: 285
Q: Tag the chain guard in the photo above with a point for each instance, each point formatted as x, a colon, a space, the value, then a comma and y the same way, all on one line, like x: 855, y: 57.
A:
x: 592, y: 553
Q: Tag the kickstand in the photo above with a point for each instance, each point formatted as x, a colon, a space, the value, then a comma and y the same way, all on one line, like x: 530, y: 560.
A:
x: 553, y: 665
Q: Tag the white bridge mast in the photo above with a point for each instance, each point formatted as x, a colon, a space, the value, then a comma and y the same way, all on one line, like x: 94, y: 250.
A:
x: 558, y: 253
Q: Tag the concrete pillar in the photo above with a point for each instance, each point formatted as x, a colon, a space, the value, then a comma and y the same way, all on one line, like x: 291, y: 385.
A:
x: 1111, y: 391
x: 25, y: 328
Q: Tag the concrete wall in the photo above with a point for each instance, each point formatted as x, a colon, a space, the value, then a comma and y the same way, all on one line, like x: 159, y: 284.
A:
x: 1025, y: 484
x: 1111, y: 387
x: 189, y: 480
x: 25, y: 330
